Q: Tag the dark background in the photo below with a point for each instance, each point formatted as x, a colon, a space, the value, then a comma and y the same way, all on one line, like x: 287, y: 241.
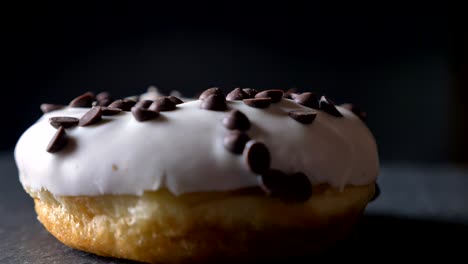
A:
x: 404, y: 64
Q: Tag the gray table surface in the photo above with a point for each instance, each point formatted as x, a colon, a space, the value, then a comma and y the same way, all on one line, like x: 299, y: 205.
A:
x: 422, y: 211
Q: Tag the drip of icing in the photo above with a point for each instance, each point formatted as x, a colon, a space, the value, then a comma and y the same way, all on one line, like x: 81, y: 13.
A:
x: 182, y: 150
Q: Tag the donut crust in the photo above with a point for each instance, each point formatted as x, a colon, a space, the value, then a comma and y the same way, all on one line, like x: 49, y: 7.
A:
x: 159, y: 227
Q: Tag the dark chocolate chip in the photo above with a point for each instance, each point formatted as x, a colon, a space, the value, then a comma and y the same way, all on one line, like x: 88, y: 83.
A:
x: 110, y: 111
x: 129, y: 103
x: 275, y: 95
x: 299, y: 188
x: 289, y: 188
x: 236, y: 120
x: 104, y: 102
x: 295, y: 187
x: 328, y: 106
x: 258, y: 102
x: 144, y: 104
x: 175, y: 100
x: 273, y: 182
x: 356, y: 110
x: 237, y: 94
x: 250, y: 92
x: 104, y: 99
x: 235, y: 141
x: 376, y: 193
x: 58, y: 141
x: 211, y: 91
x: 306, y: 99
x: 257, y: 156
x: 103, y: 96
x: 63, y: 121
x: 162, y: 104
x: 214, y: 102
x: 142, y: 114
x: 46, y: 108
x: 304, y: 117
x: 117, y: 104
x: 91, y: 117
x: 125, y: 104
x: 84, y: 100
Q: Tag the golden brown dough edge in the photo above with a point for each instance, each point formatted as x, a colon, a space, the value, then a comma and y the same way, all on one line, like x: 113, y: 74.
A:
x: 159, y: 227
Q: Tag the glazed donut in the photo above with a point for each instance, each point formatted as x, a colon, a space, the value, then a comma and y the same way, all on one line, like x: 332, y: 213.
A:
x: 244, y: 176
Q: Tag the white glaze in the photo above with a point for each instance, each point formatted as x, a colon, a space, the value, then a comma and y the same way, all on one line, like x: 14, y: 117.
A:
x: 182, y: 151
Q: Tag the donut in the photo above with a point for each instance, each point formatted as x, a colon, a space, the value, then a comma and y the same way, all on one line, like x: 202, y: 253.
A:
x: 248, y: 175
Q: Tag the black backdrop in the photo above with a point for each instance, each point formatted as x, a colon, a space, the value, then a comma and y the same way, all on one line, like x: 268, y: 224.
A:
x: 394, y: 60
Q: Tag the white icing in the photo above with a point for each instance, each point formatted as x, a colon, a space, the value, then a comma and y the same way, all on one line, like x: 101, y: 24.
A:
x: 182, y: 150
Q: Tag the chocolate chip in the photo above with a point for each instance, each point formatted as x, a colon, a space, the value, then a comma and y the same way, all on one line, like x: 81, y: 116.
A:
x: 110, y: 111
x: 162, y: 104
x: 211, y: 91
x: 289, y: 188
x: 328, y: 106
x: 258, y: 102
x: 91, y: 117
x: 250, y: 92
x: 237, y: 94
x: 104, y: 102
x: 299, y: 188
x: 103, y: 95
x: 144, y: 104
x: 356, y: 110
x: 306, y: 99
x: 125, y: 104
x: 103, y: 99
x: 273, y: 182
x: 175, y: 100
x: 117, y: 104
x: 129, y: 103
x: 257, y: 156
x: 84, y: 100
x: 304, y: 117
x: 236, y: 120
x: 235, y: 141
x: 63, y: 121
x: 58, y: 141
x: 46, y: 108
x: 275, y: 95
x: 142, y: 114
x: 376, y: 193
x: 214, y: 102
